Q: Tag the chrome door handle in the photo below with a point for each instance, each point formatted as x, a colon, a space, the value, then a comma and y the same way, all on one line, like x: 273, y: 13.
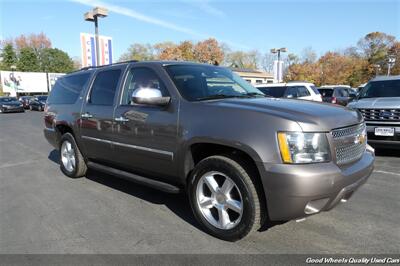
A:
x: 86, y: 115
x: 121, y: 119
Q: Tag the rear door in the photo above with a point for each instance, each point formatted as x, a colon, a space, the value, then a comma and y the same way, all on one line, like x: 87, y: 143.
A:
x: 96, y: 122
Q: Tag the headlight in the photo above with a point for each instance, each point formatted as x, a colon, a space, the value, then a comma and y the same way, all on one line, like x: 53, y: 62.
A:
x: 298, y: 147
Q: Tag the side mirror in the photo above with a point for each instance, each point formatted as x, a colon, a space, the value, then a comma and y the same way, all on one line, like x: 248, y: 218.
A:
x: 150, y: 96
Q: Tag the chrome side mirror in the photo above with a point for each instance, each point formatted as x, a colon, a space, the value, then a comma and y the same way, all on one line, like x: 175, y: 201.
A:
x: 150, y: 96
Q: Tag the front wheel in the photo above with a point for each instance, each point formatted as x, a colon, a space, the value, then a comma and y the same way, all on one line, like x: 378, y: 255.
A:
x: 72, y: 163
x: 224, y: 198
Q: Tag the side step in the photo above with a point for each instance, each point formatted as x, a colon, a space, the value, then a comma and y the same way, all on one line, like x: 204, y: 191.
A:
x: 136, y: 178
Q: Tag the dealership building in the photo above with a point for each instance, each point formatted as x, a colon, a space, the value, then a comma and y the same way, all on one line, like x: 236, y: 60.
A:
x: 254, y: 76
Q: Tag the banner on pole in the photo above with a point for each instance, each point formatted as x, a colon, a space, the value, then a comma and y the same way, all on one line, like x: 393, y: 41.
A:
x: 88, y: 50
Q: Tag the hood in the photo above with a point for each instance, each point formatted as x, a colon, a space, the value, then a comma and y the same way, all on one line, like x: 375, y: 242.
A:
x: 376, y: 103
x: 311, y: 116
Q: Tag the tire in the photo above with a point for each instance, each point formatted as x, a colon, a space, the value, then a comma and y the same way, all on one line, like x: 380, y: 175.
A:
x: 40, y: 108
x: 242, y: 221
x: 30, y: 107
x: 79, y: 168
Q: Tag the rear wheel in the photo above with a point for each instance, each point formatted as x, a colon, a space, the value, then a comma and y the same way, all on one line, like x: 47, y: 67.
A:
x: 224, y: 198
x: 72, y: 162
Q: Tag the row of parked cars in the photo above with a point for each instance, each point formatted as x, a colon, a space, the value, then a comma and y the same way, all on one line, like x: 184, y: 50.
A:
x: 338, y: 94
x: 12, y: 104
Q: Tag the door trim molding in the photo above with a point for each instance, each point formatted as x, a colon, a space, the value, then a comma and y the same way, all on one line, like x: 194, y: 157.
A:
x: 168, y: 153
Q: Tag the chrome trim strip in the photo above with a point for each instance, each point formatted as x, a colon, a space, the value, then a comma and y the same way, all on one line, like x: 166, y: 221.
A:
x: 168, y: 153
x: 50, y: 129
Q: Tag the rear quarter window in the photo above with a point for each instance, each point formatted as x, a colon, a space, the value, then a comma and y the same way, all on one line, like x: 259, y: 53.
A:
x: 68, y: 88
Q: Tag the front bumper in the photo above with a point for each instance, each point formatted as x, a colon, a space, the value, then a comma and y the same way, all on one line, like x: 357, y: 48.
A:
x: 297, y: 191
x: 381, y: 141
x: 10, y: 109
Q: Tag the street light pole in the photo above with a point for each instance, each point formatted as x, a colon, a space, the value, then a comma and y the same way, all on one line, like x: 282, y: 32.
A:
x: 274, y: 51
x: 93, y: 16
x: 391, y: 62
x: 96, y: 33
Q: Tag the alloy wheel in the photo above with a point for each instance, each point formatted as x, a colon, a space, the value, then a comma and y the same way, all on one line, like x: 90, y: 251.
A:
x: 219, y: 200
x: 68, y: 156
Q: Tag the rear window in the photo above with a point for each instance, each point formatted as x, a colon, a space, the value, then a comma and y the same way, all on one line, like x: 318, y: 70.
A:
x: 276, y: 92
x: 68, y: 88
x: 326, y: 92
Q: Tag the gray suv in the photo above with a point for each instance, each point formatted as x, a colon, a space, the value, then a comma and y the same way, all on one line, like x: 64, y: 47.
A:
x: 241, y: 157
x: 379, y: 103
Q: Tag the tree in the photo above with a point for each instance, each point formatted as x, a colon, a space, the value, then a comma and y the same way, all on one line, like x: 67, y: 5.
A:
x: 171, y: 53
x: 37, y: 42
x: 55, y: 60
x: 187, y: 50
x: 242, y: 59
x: 208, y: 51
x: 9, y: 57
x: 308, y: 55
x: 28, y: 60
x: 137, y: 51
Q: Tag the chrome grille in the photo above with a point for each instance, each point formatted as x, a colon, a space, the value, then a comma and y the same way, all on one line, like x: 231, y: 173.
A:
x: 350, y: 143
x: 381, y: 114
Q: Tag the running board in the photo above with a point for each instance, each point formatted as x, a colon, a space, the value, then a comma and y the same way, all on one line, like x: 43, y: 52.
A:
x: 136, y: 178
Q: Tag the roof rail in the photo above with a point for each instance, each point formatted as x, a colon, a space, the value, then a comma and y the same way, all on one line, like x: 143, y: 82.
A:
x: 123, y: 62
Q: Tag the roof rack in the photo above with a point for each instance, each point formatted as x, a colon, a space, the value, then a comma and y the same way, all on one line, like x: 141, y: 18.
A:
x: 118, y: 63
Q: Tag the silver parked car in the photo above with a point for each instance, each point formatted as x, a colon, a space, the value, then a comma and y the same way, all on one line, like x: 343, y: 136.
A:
x: 379, y: 103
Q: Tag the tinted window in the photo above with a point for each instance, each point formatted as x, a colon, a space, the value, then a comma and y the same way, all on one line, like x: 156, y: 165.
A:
x: 303, y: 91
x: 276, y: 92
x: 141, y: 78
x: 8, y: 99
x: 292, y: 92
x: 386, y: 88
x: 104, y: 87
x: 68, y: 88
x: 202, y: 82
x: 42, y: 98
x: 326, y: 92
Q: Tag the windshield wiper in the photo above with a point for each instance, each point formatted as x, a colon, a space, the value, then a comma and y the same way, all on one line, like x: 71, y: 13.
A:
x: 218, y: 96
x: 251, y: 94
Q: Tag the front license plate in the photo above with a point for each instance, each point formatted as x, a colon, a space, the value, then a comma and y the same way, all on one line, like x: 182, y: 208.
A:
x: 384, y: 131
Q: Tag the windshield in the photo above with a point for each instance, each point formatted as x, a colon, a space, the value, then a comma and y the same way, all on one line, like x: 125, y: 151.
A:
x: 386, y: 88
x: 202, y: 82
x: 42, y: 98
x: 276, y: 92
x: 8, y: 99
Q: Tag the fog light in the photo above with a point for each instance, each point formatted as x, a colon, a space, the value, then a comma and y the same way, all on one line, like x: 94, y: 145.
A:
x: 315, y: 206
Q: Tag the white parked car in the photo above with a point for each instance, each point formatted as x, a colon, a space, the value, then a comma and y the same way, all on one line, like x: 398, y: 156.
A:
x: 295, y: 90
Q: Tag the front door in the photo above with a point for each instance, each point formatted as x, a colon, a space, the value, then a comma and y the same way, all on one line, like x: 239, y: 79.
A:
x: 96, y: 124
x: 145, y: 136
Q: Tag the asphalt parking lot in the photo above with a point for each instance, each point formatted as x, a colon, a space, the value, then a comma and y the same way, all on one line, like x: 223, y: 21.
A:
x: 43, y: 211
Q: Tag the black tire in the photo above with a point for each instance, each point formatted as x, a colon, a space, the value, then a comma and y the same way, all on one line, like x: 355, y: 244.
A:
x: 80, y: 168
x: 245, y: 181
